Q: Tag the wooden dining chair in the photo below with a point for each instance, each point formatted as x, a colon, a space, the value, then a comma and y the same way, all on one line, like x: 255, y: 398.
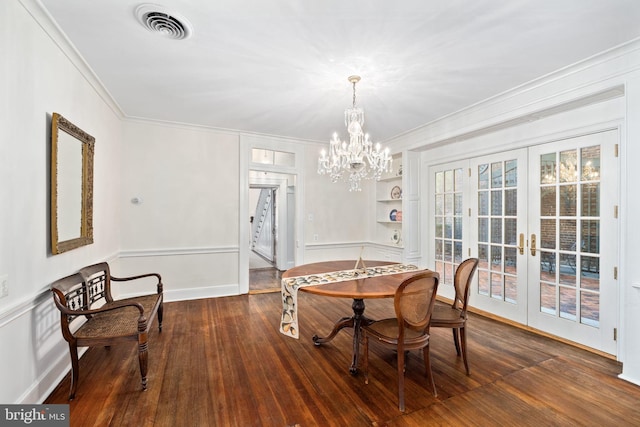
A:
x: 409, y: 330
x: 454, y: 316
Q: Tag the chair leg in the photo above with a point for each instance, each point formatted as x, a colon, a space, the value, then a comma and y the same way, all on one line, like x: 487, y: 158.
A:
x: 365, y: 362
x: 456, y: 340
x: 160, y: 317
x: 401, y: 380
x: 463, y: 339
x: 75, y: 370
x: 427, y: 365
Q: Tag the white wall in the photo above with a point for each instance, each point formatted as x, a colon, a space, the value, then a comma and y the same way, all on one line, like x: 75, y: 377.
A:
x: 186, y: 227
x: 38, y: 79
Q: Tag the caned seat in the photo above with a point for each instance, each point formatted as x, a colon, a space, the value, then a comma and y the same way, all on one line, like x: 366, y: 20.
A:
x: 409, y: 330
x: 454, y: 316
x: 85, y: 298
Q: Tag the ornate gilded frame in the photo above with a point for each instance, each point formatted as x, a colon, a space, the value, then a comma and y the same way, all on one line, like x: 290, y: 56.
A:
x: 66, y: 179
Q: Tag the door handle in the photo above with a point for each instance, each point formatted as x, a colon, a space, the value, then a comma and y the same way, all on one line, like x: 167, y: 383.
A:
x: 521, y: 246
x: 533, y: 245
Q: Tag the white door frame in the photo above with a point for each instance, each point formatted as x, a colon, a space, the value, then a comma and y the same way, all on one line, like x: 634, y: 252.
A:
x: 247, y: 144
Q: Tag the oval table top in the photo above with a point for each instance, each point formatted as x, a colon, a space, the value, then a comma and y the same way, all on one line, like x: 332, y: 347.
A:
x: 371, y: 287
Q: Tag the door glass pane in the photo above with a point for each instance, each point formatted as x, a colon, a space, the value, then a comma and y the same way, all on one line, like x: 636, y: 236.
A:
x: 548, y: 298
x: 483, y: 230
x: 548, y: 266
x: 568, y: 166
x: 496, y: 286
x: 568, y: 303
x: 496, y: 202
x: 568, y: 234
x: 457, y: 228
x: 548, y: 233
x: 483, y: 266
x: 448, y: 181
x: 590, y: 160
x: 548, y: 168
x: 567, y: 269
x: 448, y: 204
x: 496, y: 230
x: 496, y: 175
x: 457, y: 252
x: 510, y: 289
x: 439, y: 205
x: 590, y: 273
x: 590, y: 308
x: 568, y: 200
x: 457, y: 204
x: 483, y: 177
x: 590, y: 199
x: 548, y: 201
x: 511, y: 202
x: 510, y: 173
x: 439, y: 182
x: 448, y: 229
x: 496, y: 258
x: 483, y: 203
x: 457, y: 180
x: 510, y: 260
x: 439, y: 250
x: 510, y: 231
x: 590, y: 236
x: 439, y: 232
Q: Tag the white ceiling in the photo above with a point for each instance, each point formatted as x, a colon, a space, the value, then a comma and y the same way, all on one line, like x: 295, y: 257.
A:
x: 280, y: 67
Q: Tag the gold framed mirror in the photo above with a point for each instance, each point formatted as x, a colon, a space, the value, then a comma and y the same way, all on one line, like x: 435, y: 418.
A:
x: 71, y: 186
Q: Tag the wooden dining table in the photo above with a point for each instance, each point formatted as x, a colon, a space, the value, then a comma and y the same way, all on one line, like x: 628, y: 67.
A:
x: 358, y: 290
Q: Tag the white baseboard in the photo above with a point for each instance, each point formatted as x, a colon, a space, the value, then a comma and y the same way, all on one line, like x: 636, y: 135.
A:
x: 195, y: 293
x: 49, y: 380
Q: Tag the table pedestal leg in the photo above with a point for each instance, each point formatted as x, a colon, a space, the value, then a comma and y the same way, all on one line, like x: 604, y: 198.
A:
x: 354, y: 322
x: 358, y: 311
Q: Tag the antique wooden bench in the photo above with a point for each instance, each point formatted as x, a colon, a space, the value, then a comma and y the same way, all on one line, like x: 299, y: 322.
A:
x: 89, y: 316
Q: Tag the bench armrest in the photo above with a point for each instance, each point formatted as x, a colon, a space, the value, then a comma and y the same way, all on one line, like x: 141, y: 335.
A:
x: 140, y: 276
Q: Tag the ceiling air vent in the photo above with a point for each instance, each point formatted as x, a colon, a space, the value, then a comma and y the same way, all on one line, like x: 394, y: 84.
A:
x: 158, y: 20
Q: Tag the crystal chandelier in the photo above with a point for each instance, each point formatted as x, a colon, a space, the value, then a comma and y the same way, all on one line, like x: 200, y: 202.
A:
x: 354, y: 160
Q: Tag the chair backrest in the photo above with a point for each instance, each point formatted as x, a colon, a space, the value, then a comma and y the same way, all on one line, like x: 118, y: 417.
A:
x: 98, y: 280
x: 462, y: 283
x: 414, y: 301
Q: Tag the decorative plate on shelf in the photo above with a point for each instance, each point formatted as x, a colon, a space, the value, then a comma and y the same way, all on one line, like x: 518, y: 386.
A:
x: 392, y: 214
x: 396, y: 193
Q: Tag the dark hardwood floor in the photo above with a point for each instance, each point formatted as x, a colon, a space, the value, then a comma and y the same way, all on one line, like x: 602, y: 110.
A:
x: 222, y: 362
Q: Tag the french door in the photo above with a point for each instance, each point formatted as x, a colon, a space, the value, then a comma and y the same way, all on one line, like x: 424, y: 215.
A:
x: 498, y: 224
x: 541, y: 221
x: 573, y: 240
